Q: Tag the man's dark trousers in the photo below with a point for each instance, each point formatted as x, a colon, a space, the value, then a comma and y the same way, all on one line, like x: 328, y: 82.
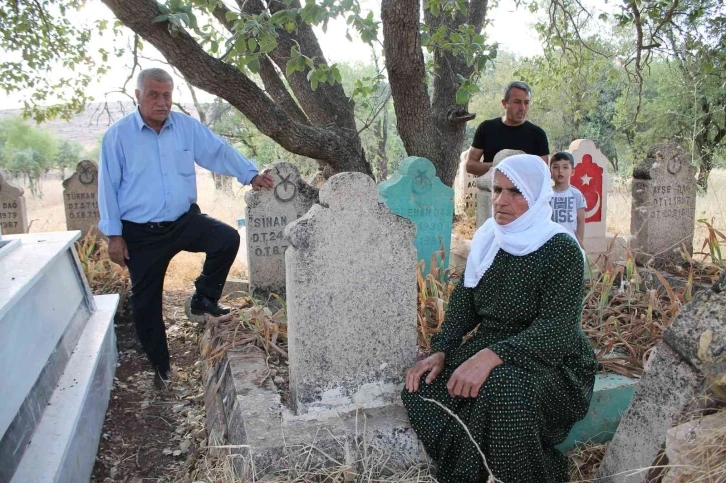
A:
x: 151, y: 247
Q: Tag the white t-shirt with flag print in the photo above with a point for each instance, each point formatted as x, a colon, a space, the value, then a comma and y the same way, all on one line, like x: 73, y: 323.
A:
x: 564, y: 207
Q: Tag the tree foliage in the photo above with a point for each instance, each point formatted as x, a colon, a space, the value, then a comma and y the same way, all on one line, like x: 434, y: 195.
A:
x: 29, y: 152
x: 263, y: 58
x: 39, y: 40
x: 26, y: 151
x: 674, y: 63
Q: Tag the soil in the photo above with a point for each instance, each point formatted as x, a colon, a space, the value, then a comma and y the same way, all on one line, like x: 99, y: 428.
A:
x: 151, y: 434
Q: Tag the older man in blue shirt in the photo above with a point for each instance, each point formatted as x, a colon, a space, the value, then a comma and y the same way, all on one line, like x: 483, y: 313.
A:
x: 148, y: 192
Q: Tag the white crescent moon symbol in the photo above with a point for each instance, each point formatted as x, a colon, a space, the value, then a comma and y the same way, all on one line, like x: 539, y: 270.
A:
x: 591, y: 212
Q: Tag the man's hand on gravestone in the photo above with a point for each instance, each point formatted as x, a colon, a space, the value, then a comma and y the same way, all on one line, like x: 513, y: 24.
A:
x: 433, y: 364
x: 469, y: 377
x: 264, y: 180
x: 117, y: 251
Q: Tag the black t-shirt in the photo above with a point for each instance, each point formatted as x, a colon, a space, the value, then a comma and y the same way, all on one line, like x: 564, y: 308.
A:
x: 493, y: 135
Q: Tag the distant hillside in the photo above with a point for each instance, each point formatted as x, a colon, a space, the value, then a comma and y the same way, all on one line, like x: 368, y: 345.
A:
x: 88, y: 126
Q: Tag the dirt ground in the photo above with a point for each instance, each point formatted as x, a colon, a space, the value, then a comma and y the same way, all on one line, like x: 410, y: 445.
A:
x: 151, y: 435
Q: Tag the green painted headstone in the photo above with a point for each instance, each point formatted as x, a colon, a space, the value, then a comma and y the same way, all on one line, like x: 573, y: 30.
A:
x: 611, y: 397
x: 416, y: 193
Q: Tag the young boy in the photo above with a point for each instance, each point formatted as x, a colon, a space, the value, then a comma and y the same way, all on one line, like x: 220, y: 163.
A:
x: 568, y: 204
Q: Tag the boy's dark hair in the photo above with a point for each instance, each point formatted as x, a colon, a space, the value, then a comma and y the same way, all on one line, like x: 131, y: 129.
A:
x: 563, y: 156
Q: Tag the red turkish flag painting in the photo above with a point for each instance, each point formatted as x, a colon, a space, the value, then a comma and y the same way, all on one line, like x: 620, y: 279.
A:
x: 588, y: 179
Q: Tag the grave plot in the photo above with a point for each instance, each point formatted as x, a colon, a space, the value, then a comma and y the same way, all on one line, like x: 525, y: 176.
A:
x: 57, y: 360
x: 351, y: 334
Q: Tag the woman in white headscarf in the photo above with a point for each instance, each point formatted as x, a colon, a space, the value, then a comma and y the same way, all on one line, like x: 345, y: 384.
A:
x: 526, y: 375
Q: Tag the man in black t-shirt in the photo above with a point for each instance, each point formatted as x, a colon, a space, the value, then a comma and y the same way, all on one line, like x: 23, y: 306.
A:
x: 511, y: 131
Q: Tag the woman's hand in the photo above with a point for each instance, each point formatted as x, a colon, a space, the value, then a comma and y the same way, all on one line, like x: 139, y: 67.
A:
x: 469, y: 377
x: 433, y: 364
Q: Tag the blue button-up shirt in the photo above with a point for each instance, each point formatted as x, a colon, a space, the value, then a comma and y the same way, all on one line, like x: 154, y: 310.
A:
x: 145, y: 176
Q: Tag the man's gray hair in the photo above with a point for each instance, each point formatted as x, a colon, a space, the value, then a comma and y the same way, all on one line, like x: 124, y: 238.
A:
x: 517, y: 85
x: 153, y: 73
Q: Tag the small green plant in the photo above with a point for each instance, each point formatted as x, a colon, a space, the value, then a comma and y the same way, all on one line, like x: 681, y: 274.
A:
x: 713, y: 241
x: 434, y: 290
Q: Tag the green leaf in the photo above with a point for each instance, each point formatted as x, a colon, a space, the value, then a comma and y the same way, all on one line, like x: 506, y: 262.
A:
x: 336, y: 74
x: 278, y: 17
x: 462, y: 96
x: 240, y: 45
x: 290, y: 68
x: 314, y: 84
x: 254, y: 65
x: 251, y: 44
x: 161, y: 18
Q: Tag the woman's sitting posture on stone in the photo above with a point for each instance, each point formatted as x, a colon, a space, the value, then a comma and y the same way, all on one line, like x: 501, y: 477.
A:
x: 526, y: 375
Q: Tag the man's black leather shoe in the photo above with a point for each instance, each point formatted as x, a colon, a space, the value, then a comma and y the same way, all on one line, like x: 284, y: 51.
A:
x: 200, y: 305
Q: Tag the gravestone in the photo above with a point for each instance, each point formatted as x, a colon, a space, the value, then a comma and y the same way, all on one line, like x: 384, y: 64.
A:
x: 416, y: 193
x: 267, y: 214
x: 590, y: 176
x: 80, y: 198
x: 689, y: 359
x: 465, y: 187
x: 351, y: 299
x: 484, y: 185
x: 664, y: 205
x: 13, y: 215
x: 57, y: 361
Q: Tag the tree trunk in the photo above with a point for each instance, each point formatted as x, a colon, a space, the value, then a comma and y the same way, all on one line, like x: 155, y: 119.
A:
x: 430, y: 128
x: 381, y: 132
x: 704, y: 170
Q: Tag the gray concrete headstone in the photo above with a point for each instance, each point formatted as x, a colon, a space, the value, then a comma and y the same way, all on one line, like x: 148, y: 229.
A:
x: 664, y: 205
x: 80, y: 198
x: 351, y: 299
x: 267, y: 214
x: 484, y: 184
x: 13, y: 215
x: 690, y: 358
x: 465, y: 187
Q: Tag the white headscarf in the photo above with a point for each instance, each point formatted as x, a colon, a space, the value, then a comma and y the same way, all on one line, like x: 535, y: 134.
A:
x: 525, y: 234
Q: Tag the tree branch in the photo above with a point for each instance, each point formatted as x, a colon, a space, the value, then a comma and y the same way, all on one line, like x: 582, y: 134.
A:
x: 227, y: 82
x: 328, y: 104
x: 270, y: 78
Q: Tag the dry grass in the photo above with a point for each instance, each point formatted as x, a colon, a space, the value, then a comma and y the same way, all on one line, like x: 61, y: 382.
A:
x: 702, y: 455
x: 434, y: 291
x: 585, y: 460
x: 46, y: 214
x: 250, y: 323
x: 104, y: 276
x: 372, y: 468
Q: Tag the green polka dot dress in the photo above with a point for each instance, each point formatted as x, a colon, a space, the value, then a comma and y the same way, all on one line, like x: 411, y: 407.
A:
x: 528, y: 310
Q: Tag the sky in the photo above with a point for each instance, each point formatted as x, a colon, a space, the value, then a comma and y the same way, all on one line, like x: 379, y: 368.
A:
x: 510, y: 27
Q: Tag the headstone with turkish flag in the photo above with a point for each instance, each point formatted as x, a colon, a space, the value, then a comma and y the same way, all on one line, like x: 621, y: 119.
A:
x: 591, y: 178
